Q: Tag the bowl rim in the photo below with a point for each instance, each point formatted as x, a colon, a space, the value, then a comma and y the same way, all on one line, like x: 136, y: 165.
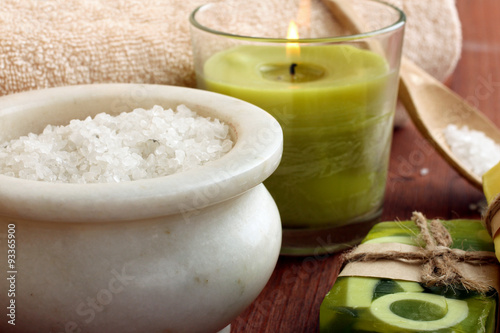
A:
x: 254, y: 157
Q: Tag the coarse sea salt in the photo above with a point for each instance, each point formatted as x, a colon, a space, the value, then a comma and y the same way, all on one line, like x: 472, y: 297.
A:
x: 134, y: 145
x: 474, y: 149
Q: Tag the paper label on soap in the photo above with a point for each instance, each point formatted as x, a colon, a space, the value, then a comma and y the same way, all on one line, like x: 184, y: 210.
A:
x: 396, y: 269
x: 401, y: 269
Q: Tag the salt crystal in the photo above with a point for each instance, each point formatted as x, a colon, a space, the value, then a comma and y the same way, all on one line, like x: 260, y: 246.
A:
x: 135, y: 145
x: 474, y: 149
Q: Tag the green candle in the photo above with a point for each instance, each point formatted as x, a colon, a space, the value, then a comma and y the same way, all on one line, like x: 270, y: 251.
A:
x: 336, y: 105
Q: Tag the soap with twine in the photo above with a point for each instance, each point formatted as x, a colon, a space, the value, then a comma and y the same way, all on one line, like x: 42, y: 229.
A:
x: 416, y: 276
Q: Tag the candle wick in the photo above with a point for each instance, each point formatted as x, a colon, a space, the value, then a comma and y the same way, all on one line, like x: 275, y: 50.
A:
x: 292, y: 68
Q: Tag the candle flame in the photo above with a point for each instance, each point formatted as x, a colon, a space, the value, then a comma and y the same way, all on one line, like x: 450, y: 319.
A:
x: 292, y: 49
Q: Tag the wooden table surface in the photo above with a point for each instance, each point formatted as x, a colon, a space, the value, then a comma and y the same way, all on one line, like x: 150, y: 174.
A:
x: 290, y: 302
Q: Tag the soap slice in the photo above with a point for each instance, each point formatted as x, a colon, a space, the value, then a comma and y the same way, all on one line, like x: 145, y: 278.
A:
x: 400, y: 312
x: 491, y: 183
x: 491, y: 188
x: 368, y: 304
x: 427, y: 312
x: 353, y: 295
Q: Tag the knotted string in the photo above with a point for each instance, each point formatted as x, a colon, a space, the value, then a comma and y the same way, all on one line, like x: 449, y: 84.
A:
x: 438, y: 260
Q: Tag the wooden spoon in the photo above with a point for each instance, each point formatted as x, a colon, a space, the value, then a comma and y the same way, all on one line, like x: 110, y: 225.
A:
x: 431, y: 105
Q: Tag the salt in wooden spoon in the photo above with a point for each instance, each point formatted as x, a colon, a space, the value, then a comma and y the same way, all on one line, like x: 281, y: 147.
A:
x: 431, y: 105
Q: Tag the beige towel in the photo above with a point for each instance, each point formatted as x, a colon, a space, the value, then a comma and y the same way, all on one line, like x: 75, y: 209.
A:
x: 433, y: 35
x: 47, y: 43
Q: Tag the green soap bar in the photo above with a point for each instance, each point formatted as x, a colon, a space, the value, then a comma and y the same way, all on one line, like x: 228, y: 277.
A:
x: 469, y: 235
x: 366, y: 304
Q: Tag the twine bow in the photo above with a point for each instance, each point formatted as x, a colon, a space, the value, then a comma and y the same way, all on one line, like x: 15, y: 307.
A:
x: 438, y: 260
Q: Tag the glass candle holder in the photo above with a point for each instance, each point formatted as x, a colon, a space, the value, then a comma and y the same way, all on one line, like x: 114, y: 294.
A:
x: 332, y: 86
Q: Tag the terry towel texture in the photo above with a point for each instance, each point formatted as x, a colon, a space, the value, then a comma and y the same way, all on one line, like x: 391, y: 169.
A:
x: 64, y: 42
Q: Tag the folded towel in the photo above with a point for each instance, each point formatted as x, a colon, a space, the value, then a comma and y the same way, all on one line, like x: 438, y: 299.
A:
x: 433, y: 40
x: 433, y: 35
x: 64, y: 42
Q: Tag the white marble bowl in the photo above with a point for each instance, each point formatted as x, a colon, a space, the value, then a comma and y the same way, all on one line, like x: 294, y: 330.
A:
x: 182, y: 253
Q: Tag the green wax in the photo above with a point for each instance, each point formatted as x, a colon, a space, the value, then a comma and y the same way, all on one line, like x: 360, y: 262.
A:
x: 336, y: 111
x: 353, y: 303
